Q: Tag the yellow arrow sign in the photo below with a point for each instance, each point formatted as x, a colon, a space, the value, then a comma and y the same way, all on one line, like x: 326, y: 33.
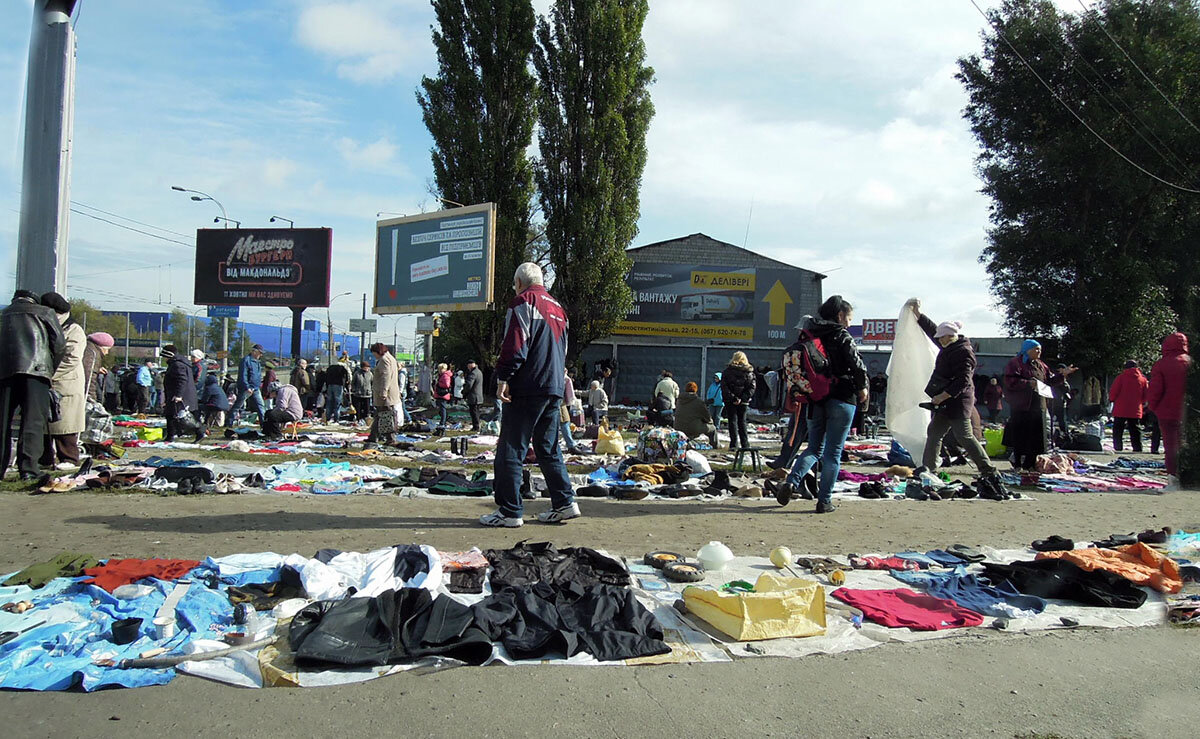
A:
x: 778, y: 299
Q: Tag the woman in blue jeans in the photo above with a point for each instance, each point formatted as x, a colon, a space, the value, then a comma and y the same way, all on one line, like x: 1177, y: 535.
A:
x: 829, y: 420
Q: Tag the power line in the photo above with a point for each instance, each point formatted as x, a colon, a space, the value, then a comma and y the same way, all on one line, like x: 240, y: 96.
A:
x: 131, y: 269
x: 1088, y: 13
x: 131, y: 228
x: 131, y: 220
x: 1071, y: 110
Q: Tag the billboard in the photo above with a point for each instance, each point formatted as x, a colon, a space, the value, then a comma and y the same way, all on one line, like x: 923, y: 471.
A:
x: 878, y: 330
x: 435, y: 262
x: 263, y: 266
x: 750, y: 304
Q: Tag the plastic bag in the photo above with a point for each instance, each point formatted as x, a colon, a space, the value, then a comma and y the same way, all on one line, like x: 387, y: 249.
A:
x: 609, y: 442
x: 909, y: 369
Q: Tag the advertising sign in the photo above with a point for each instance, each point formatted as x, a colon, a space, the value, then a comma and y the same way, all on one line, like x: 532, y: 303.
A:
x: 878, y: 330
x: 363, y: 325
x: 436, y: 262
x: 708, y: 302
x: 263, y: 266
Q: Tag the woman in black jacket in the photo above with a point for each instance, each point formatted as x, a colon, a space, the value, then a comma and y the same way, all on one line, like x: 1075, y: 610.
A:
x: 829, y: 419
x: 737, y: 389
x: 179, y: 391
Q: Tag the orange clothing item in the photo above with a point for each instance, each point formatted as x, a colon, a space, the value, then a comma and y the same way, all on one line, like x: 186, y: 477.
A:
x: 1136, y: 563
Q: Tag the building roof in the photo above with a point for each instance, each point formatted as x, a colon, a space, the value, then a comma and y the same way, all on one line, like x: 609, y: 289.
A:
x: 708, y: 250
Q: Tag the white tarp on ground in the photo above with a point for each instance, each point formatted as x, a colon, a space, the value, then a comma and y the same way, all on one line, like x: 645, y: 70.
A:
x: 908, y: 372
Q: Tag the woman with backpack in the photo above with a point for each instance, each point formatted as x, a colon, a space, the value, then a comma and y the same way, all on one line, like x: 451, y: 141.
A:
x: 829, y: 415
x: 737, y: 390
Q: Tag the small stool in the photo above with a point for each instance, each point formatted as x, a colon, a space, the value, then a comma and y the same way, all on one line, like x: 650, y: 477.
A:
x: 755, y: 464
x: 292, y: 428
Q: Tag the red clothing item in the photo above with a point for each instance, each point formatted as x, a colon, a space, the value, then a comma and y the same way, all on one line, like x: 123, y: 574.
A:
x: 1020, y: 390
x: 444, y: 385
x: 1168, y: 379
x: 1128, y: 393
x: 908, y: 609
x: 117, y: 572
x: 993, y: 397
x: 883, y: 563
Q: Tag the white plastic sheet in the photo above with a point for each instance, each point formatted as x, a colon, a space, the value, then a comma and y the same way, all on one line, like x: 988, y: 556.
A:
x: 908, y: 372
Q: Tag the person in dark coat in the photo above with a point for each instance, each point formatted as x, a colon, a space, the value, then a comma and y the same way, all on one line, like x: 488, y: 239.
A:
x: 214, y: 401
x: 473, y: 392
x: 737, y: 390
x: 1026, y: 431
x: 33, y: 345
x: 993, y: 398
x: 829, y: 419
x: 179, y: 389
x: 692, y: 416
x: 1128, y: 396
x: 953, y: 392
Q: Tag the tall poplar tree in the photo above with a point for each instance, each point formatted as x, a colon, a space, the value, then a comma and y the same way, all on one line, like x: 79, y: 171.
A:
x: 479, y: 111
x: 593, y: 113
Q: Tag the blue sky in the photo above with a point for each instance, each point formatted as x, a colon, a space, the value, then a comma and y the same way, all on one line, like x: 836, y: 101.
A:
x: 824, y: 133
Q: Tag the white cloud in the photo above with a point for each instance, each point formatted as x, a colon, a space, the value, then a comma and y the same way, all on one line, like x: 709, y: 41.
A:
x: 377, y: 155
x: 372, y: 42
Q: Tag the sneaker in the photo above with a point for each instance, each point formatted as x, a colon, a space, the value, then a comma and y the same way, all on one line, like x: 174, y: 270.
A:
x: 560, y: 515
x: 496, y: 519
x: 784, y: 492
x: 826, y: 507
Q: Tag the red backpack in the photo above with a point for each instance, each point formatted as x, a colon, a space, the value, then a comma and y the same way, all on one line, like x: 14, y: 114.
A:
x: 807, y: 374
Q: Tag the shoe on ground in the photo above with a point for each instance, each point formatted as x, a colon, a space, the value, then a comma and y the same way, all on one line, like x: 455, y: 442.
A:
x: 826, y: 507
x: 65, y: 466
x: 560, y: 515
x: 496, y: 519
x: 808, y: 489
x: 784, y: 492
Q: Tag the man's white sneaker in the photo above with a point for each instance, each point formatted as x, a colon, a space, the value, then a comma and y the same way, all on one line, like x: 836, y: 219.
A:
x: 499, y: 520
x: 559, y: 515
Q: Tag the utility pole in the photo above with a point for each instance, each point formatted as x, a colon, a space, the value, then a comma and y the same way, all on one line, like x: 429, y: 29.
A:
x: 224, y: 346
x: 362, y: 336
x: 126, y: 337
x: 46, y: 170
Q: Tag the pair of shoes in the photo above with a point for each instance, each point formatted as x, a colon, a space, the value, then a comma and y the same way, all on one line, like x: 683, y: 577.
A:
x: 496, y: 519
x: 560, y: 515
x: 1053, y: 543
x: 827, y: 507
x: 872, y: 491
x: 1150, y: 536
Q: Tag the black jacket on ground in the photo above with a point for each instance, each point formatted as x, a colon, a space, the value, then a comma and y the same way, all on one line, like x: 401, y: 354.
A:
x: 178, y: 382
x: 1057, y: 578
x: 472, y: 391
x: 955, y: 370
x: 31, y: 341
x: 526, y: 564
x: 605, y: 621
x: 395, y: 626
x: 849, y: 374
x: 737, y: 383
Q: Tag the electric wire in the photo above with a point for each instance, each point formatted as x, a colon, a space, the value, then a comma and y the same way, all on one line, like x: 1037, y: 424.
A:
x: 1071, y: 110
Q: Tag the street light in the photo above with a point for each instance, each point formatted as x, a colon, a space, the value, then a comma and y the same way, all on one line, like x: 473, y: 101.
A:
x: 329, y: 325
x: 390, y: 213
x: 198, y: 199
x: 291, y: 223
x: 236, y: 224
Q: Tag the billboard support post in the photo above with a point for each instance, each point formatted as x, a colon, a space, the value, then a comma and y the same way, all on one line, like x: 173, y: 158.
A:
x: 297, y: 327
x: 362, y: 337
x: 224, y: 346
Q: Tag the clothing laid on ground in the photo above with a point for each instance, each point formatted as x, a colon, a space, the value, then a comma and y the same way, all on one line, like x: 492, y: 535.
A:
x: 66, y: 564
x: 903, y: 608
x: 970, y: 591
x: 883, y: 563
x: 526, y: 564
x: 117, y: 572
x: 568, y: 617
x: 393, y: 627
x: 265, y: 596
x: 1056, y: 578
x: 1137, y: 563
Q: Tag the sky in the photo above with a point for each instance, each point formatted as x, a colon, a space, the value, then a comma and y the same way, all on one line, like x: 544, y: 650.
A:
x: 824, y: 133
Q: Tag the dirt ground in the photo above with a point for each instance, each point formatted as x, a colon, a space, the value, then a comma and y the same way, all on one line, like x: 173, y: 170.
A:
x: 1085, y: 683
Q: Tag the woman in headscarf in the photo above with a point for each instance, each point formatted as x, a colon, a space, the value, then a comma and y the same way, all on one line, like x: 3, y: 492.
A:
x: 1026, y: 430
x: 98, y: 345
x: 71, y: 384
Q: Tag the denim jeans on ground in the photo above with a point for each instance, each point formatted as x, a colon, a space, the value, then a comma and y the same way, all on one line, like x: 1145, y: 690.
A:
x: 827, y: 431
x: 333, y: 402
x: 243, y: 395
x: 530, y: 419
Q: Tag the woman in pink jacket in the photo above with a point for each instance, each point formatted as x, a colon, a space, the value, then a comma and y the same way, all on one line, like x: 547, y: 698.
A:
x: 1168, y: 385
x: 1128, y: 395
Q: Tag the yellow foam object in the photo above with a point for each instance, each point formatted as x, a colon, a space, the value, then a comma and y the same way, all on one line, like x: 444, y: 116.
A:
x: 150, y: 433
x: 778, y: 607
x: 609, y: 442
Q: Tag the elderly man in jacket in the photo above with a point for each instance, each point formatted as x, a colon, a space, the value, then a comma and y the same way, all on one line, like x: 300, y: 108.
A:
x: 33, y: 346
x: 953, y: 393
x: 249, y: 385
x: 530, y: 379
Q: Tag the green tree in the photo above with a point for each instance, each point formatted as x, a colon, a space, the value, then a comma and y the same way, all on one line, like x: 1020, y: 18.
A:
x: 178, y: 331
x: 479, y: 111
x: 1092, y: 233
x: 593, y: 113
